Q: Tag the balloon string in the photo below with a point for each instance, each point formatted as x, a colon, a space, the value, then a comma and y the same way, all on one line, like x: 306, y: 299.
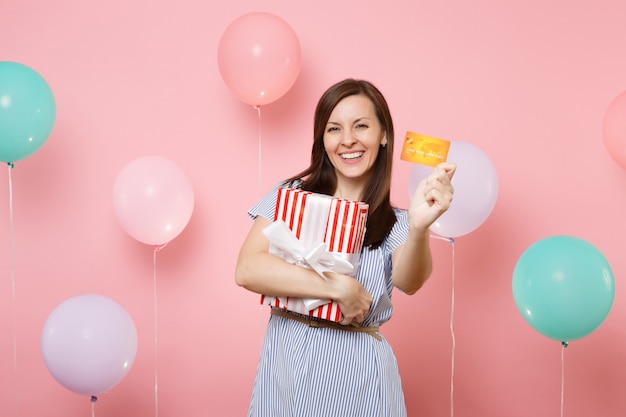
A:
x: 452, y: 336
x: 259, y: 185
x: 451, y: 241
x: 13, y: 298
x: 564, y: 344
x: 157, y: 248
x: 93, y: 405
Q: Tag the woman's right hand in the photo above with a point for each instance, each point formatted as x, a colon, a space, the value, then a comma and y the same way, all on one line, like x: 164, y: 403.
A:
x: 354, y: 301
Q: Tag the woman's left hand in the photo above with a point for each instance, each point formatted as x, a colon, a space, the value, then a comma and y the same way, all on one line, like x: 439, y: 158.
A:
x: 432, y: 197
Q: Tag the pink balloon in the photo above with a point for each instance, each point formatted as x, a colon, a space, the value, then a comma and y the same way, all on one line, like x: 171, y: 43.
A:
x: 614, y: 129
x: 475, y: 190
x: 89, y: 343
x: 259, y: 57
x: 153, y: 200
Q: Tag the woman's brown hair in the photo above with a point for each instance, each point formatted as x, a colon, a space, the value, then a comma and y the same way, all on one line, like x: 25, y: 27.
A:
x: 320, y: 176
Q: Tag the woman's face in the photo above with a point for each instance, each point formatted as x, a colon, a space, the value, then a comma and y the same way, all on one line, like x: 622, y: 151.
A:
x: 352, y: 138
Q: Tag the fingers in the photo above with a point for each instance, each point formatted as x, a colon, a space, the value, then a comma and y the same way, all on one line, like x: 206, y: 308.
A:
x: 440, y: 200
x: 442, y: 174
x: 356, y: 312
x: 438, y: 190
x: 432, y: 197
x: 439, y: 185
x: 447, y: 168
x: 353, y: 299
x: 347, y: 320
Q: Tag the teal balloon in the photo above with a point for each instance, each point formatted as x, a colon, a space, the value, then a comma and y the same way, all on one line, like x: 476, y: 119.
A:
x: 563, y: 287
x: 27, y: 111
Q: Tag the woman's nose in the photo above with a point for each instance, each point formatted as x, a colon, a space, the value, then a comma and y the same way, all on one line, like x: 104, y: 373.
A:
x: 348, y: 138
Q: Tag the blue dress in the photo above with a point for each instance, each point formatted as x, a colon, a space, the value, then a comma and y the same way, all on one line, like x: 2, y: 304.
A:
x: 321, y: 372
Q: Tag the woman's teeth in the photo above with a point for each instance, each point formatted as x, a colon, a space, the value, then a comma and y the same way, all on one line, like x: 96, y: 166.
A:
x: 352, y: 155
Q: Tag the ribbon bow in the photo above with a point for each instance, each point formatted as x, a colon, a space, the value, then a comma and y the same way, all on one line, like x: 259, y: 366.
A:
x: 285, y: 244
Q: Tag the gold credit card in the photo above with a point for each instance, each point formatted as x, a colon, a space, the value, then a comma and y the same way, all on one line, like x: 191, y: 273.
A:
x: 425, y: 150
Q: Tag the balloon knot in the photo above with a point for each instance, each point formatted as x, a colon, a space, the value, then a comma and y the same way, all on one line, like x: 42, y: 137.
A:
x: 94, y: 398
x: 11, y: 165
x: 564, y: 344
x: 159, y: 247
x: 451, y: 240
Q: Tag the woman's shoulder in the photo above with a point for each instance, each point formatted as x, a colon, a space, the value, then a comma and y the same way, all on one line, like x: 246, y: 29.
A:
x: 267, y: 204
x: 297, y: 183
x: 273, y: 192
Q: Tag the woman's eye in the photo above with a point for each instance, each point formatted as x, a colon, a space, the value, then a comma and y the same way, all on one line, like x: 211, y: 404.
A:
x: 332, y: 129
x: 361, y: 126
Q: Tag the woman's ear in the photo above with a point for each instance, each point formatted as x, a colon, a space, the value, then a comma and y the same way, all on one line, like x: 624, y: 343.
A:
x: 383, y: 141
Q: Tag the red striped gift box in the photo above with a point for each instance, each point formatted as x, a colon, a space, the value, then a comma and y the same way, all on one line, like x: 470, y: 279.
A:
x: 314, y: 218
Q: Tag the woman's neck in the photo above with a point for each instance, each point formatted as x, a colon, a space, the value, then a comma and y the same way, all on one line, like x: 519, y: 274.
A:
x: 350, y: 190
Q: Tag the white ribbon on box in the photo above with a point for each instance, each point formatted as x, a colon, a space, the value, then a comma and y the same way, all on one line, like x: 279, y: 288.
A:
x: 284, y: 244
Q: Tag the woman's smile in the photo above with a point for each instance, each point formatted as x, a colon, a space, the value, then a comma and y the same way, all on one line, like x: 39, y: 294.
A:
x: 352, y: 156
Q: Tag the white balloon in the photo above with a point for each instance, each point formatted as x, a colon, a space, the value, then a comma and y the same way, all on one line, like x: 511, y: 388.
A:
x: 89, y: 344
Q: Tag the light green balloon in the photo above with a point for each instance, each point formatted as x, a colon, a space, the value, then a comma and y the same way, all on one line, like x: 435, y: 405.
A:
x: 563, y: 287
x: 27, y: 111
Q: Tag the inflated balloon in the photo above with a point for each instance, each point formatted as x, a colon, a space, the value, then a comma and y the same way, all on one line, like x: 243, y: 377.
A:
x: 27, y: 111
x: 614, y: 129
x: 259, y: 57
x: 89, y: 343
x: 563, y: 287
x: 475, y: 190
x: 153, y: 200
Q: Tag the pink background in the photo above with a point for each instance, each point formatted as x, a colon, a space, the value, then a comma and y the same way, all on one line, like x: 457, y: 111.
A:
x: 528, y: 82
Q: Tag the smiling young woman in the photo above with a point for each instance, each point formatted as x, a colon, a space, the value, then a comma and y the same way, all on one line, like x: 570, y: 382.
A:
x: 311, y: 367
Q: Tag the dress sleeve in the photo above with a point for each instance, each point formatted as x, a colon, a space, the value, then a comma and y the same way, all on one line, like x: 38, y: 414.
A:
x: 399, y: 232
x: 266, y: 206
